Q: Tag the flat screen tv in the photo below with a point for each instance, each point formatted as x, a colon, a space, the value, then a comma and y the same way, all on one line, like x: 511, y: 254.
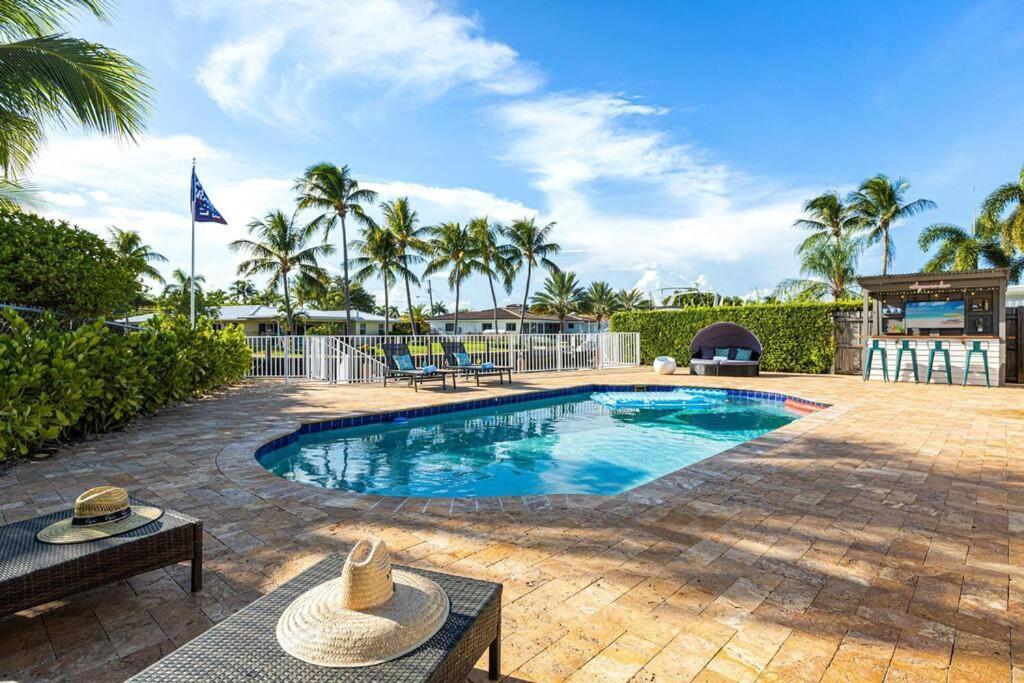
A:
x: 936, y: 315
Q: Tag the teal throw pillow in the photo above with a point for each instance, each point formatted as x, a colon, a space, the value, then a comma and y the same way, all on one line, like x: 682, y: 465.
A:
x: 722, y: 351
x: 404, y: 362
x: 462, y: 358
x: 744, y: 354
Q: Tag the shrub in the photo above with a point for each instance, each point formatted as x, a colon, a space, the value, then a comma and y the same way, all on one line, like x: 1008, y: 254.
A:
x: 53, y: 265
x: 795, y: 337
x: 64, y: 383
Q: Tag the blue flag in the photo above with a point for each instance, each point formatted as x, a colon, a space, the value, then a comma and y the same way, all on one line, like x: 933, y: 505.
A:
x: 203, y: 210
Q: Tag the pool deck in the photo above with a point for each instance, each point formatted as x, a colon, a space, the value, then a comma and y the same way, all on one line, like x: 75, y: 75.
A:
x: 880, y: 539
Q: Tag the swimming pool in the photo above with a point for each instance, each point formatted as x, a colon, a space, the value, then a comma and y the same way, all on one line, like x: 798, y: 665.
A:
x: 569, y: 443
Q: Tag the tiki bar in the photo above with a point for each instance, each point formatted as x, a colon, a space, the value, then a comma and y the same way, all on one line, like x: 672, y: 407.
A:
x: 935, y: 327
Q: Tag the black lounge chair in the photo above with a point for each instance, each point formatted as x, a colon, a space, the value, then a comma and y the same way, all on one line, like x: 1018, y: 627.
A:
x: 416, y: 376
x: 475, y: 369
x: 731, y: 336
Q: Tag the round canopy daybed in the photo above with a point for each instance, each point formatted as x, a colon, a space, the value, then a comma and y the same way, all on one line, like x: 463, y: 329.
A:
x: 706, y: 357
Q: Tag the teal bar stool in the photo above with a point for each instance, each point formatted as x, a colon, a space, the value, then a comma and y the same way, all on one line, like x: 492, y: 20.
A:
x: 979, y: 348
x: 906, y: 345
x: 943, y: 348
x: 879, y: 346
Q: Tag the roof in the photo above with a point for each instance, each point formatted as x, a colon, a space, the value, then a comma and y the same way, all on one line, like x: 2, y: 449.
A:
x: 877, y: 281
x: 504, y: 313
x: 257, y: 312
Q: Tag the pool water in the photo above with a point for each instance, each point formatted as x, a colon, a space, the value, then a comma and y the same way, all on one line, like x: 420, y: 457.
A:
x: 570, y: 444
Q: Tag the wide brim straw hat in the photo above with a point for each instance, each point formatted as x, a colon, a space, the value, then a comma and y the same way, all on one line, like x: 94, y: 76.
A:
x: 368, y: 615
x: 100, y: 512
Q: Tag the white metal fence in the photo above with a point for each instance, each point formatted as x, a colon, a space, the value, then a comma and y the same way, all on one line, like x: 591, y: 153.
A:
x: 360, y: 358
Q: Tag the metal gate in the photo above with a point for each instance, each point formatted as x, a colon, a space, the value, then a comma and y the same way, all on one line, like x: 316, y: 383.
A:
x: 849, y: 346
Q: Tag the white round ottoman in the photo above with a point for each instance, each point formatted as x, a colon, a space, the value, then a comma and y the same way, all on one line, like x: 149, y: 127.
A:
x: 664, y: 365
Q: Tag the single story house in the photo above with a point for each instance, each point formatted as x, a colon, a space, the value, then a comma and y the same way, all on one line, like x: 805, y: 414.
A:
x: 258, y: 320
x: 476, y: 322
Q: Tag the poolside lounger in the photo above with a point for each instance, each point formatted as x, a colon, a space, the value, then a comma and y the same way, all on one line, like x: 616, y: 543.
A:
x: 394, y: 352
x: 725, y: 349
x: 453, y: 351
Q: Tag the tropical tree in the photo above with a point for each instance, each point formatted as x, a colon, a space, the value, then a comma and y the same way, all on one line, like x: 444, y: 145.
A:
x: 829, y: 272
x: 382, y: 258
x: 495, y: 258
x: 438, y: 308
x: 282, y: 250
x: 560, y: 295
x: 177, y: 294
x: 828, y: 218
x: 335, y: 194
x: 418, y: 318
x: 48, y: 79
x: 1009, y: 196
x: 962, y: 249
x: 878, y: 205
x: 335, y: 297
x: 632, y: 299
x: 242, y: 291
x: 601, y: 300
x: 410, y: 240
x: 451, y: 249
x: 530, y: 248
x: 138, y: 255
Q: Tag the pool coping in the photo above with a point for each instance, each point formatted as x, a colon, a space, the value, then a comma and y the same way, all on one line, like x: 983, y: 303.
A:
x: 239, y: 462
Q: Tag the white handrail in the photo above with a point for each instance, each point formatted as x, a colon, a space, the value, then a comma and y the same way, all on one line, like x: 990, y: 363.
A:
x: 358, y: 358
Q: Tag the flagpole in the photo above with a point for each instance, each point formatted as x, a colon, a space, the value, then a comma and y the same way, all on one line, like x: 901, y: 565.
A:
x: 192, y: 279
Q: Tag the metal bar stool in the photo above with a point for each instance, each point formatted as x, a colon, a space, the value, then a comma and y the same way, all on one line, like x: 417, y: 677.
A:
x: 906, y: 345
x: 943, y: 348
x: 876, y: 345
x: 980, y: 348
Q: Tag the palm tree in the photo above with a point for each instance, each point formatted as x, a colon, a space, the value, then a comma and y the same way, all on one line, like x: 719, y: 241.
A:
x: 961, y: 249
x: 560, y: 296
x: 632, y: 299
x: 381, y: 257
x: 494, y: 257
x: 280, y: 250
x: 879, y: 204
x: 181, y: 282
x: 417, y: 317
x: 438, y: 308
x: 137, y: 254
x: 451, y: 249
x: 829, y: 218
x: 176, y: 293
x: 830, y: 272
x: 242, y: 291
x: 334, y: 193
x: 601, y: 301
x: 401, y: 220
x: 48, y: 77
x: 532, y: 248
x: 1005, y: 196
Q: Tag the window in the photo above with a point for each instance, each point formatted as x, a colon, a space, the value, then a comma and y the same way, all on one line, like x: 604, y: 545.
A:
x: 362, y: 328
x: 510, y: 327
x: 486, y: 326
x: 449, y: 327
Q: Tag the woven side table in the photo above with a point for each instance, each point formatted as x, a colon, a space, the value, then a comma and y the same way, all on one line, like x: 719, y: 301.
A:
x: 244, y: 646
x: 33, y: 573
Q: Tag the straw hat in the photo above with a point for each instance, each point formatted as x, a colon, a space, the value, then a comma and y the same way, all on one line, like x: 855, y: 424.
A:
x: 366, y: 616
x: 99, y: 513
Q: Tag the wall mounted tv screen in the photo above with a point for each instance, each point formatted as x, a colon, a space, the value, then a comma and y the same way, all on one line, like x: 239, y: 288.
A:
x: 942, y: 315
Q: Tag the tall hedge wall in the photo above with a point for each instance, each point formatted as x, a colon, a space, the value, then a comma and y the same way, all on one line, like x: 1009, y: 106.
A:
x: 61, y: 383
x: 795, y: 337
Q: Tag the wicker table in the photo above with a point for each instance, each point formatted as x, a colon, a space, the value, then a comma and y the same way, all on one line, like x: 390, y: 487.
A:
x: 33, y: 573
x: 244, y: 646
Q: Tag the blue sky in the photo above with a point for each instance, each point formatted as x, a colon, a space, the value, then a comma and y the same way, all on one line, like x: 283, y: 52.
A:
x: 672, y: 142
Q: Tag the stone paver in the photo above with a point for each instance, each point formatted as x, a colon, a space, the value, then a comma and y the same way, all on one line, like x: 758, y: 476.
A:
x: 881, y: 539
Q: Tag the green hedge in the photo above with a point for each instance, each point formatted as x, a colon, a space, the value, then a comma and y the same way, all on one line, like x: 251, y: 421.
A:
x: 795, y: 337
x: 61, y: 384
x: 54, y: 265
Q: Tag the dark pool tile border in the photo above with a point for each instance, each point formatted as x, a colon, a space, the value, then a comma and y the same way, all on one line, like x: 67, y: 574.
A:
x: 460, y: 406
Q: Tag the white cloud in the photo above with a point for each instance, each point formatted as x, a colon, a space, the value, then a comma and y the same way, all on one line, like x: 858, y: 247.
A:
x: 68, y: 199
x: 281, y: 51
x: 624, y: 193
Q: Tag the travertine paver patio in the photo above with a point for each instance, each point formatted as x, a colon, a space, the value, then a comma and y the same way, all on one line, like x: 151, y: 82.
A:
x: 880, y: 539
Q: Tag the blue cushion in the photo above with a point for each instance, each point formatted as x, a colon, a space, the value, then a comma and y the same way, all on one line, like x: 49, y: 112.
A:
x: 488, y: 366
x: 707, y: 352
x: 744, y: 354
x: 722, y: 351
x: 429, y: 369
x: 462, y: 358
x: 404, y: 362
